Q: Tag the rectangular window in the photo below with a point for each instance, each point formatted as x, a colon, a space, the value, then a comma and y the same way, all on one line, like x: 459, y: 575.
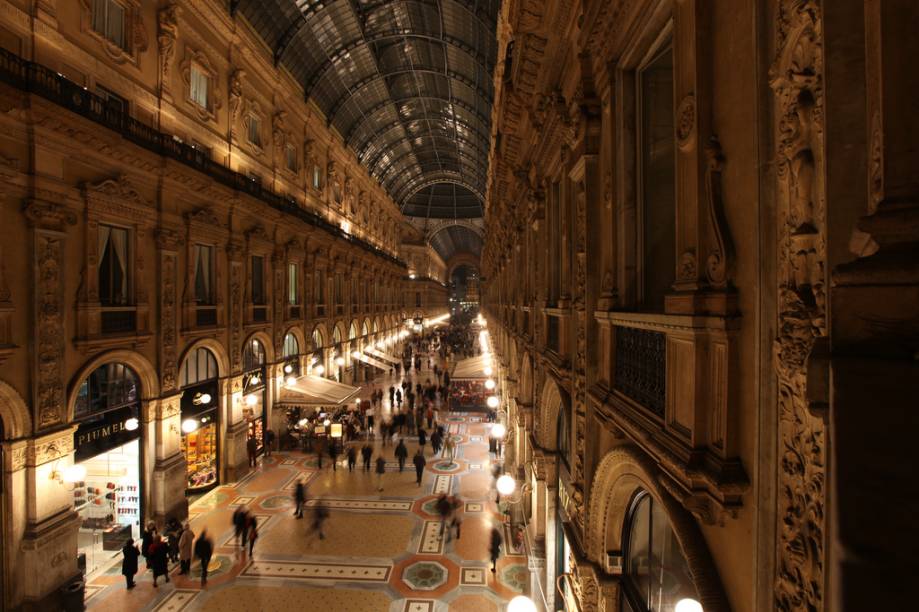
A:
x: 204, y: 274
x: 555, y: 243
x: 255, y: 131
x: 291, y: 157
x: 258, y: 279
x: 293, y: 284
x: 108, y: 21
x: 657, y: 178
x: 317, y: 177
x: 199, y: 86
x: 339, y: 290
x: 320, y: 287
x: 114, y: 268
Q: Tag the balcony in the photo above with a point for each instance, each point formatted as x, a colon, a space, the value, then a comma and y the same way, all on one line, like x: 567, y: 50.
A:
x: 641, y: 367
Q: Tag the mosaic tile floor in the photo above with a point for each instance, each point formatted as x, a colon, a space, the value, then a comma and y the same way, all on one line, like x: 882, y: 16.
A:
x: 381, y: 552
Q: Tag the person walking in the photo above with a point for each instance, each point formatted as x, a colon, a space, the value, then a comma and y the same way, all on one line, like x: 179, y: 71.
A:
x: 252, y: 449
x: 159, y: 559
x: 367, y: 453
x: 449, y: 448
x: 186, y: 543
x: 319, y: 516
x: 401, y: 454
x: 269, y: 442
x: 392, y: 394
x: 245, y: 530
x: 299, y: 498
x: 333, y: 455
x: 129, y: 555
x: 381, y: 469
x: 494, y: 548
x: 253, y: 533
x: 419, y: 462
x: 352, y: 458
x: 443, y: 510
x: 146, y: 541
x: 422, y: 440
x: 456, y: 503
x: 435, y: 441
x: 204, y: 548
x: 239, y: 519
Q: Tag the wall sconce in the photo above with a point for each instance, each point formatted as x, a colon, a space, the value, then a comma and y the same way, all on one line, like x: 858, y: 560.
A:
x: 201, y: 399
x: 70, y: 474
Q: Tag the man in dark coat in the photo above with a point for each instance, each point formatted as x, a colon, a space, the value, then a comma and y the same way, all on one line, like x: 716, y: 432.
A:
x: 159, y: 559
x: 204, y: 548
x: 352, y: 458
x: 419, y: 462
x: 381, y: 469
x: 366, y: 453
x: 422, y: 440
x: 436, y: 439
x: 129, y: 563
x: 299, y: 499
x: 333, y: 454
x: 401, y: 454
x: 495, y: 548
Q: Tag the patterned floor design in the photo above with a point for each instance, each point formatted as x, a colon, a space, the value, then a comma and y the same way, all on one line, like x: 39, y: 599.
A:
x: 381, y: 552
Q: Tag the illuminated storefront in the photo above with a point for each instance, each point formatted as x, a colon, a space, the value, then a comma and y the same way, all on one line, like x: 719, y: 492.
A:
x: 255, y: 391
x: 200, y: 419
x: 107, y: 459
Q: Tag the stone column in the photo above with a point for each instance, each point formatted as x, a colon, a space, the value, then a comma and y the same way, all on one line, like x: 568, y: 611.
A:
x: 162, y: 423
x: 235, y: 428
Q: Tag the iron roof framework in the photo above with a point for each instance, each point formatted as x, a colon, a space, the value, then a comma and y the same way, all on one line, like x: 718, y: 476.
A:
x: 454, y: 239
x: 408, y: 84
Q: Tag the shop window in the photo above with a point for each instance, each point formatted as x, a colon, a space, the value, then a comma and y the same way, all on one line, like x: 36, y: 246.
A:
x: 258, y: 279
x: 109, y: 387
x: 108, y: 21
x: 200, y: 366
x: 200, y: 416
x: 657, y: 574
x: 254, y: 392
x: 199, y: 83
x: 293, y: 284
x: 657, y: 167
x: 254, y: 133
x: 204, y: 274
x: 114, y: 267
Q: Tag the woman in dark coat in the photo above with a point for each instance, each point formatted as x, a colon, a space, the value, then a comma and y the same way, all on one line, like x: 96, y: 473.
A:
x: 159, y: 559
x: 495, y: 547
x: 129, y: 563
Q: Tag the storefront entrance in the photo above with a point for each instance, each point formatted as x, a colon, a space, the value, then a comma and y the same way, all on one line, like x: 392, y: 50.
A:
x: 200, y: 420
x: 107, y: 464
x: 255, y: 391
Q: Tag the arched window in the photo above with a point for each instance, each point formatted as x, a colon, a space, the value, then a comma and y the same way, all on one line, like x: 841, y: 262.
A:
x: 291, y: 346
x: 376, y: 327
x: 563, y: 438
x: 317, y: 339
x: 253, y: 356
x: 336, y: 336
x: 657, y: 575
x: 352, y: 332
x: 364, y: 330
x: 199, y: 366
x: 108, y: 387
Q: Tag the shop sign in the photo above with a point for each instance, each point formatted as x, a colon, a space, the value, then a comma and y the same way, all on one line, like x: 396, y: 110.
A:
x: 96, y: 437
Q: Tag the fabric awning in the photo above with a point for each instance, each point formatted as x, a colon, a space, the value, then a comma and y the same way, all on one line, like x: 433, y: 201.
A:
x: 374, y: 362
x: 473, y: 367
x: 317, y: 391
x: 381, y: 355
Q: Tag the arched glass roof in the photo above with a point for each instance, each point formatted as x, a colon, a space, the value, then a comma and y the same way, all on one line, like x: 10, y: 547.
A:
x: 408, y: 83
x: 454, y: 239
x: 443, y: 201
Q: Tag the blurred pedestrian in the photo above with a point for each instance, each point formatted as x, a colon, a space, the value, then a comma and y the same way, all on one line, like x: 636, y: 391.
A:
x: 186, y: 543
x: 352, y: 458
x: 401, y: 454
x: 204, y: 548
x: 494, y: 548
x: 299, y: 498
x: 129, y: 562
x: 381, y: 469
x: 419, y: 462
x: 159, y: 559
x: 253, y: 533
x: 367, y: 453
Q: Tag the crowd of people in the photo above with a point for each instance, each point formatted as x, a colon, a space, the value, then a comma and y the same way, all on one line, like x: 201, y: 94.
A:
x: 414, y: 410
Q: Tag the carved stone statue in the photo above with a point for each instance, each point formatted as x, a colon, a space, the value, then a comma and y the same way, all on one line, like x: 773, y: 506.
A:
x: 168, y: 32
x: 236, y: 98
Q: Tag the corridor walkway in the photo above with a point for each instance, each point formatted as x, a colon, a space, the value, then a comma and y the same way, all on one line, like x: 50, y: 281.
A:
x: 382, y: 551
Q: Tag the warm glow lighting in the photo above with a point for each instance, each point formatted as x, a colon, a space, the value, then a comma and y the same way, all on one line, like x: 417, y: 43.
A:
x: 189, y: 425
x: 202, y: 399
x: 340, y: 361
x: 288, y: 369
x: 255, y: 379
x: 488, y: 371
x: 521, y: 603
x: 131, y: 424
x: 498, y: 430
x: 412, y: 276
x: 688, y: 605
x: 251, y: 400
x: 74, y: 473
x: 356, y: 355
x: 320, y: 369
x: 492, y: 401
x: 302, y: 422
x: 336, y: 430
x: 506, y: 484
x: 489, y: 384
x: 291, y: 381
x: 327, y: 422
x: 346, y: 227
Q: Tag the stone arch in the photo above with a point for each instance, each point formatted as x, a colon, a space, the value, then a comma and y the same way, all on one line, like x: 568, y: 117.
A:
x: 323, y: 333
x: 512, y: 359
x: 525, y: 382
x: 551, y: 401
x: 353, y: 328
x: 342, y: 331
x: 621, y: 473
x: 17, y: 422
x: 217, y: 349
x: 265, y: 339
x: 376, y: 327
x: 366, y: 324
x: 146, y: 374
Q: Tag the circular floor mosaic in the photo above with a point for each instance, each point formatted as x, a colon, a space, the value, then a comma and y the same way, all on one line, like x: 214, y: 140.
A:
x: 425, y: 575
x: 276, y: 502
x: 515, y: 577
x: 446, y: 466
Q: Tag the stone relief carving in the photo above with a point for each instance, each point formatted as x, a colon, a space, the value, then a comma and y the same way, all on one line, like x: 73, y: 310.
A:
x: 168, y: 338
x: 720, y: 261
x: 207, y: 112
x: 167, y: 34
x: 236, y: 316
x: 796, y: 80
x: 235, y: 95
x: 135, y: 34
x: 686, y: 122
x: 279, y: 135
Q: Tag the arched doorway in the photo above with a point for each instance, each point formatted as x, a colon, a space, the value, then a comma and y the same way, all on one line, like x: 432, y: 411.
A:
x: 255, y: 392
x: 106, y: 475
x: 656, y: 574
x: 317, y: 364
x: 338, y: 359
x: 199, y: 379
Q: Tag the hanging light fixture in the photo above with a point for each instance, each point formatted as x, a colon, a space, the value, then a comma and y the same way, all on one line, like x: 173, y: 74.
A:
x: 489, y: 384
x: 251, y: 400
x: 189, y: 425
x: 506, y: 484
x: 291, y: 381
x: 688, y: 605
x: 132, y: 424
x: 320, y: 369
x: 288, y: 369
x: 492, y: 401
x: 498, y: 430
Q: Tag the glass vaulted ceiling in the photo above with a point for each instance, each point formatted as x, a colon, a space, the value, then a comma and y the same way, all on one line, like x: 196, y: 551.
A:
x: 407, y: 83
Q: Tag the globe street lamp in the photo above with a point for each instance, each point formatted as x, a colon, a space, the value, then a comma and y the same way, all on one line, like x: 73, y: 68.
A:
x: 521, y: 603
x: 688, y: 605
